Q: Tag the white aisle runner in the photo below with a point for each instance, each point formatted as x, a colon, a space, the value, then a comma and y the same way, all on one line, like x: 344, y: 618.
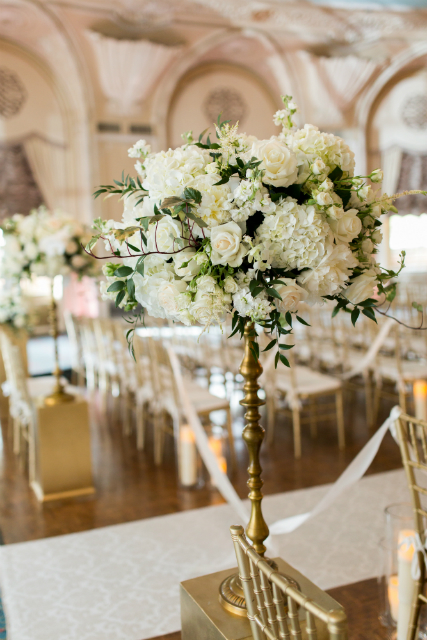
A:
x: 122, y: 582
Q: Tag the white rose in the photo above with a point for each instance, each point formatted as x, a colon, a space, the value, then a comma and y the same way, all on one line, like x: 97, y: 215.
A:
x: 323, y: 199
x: 167, y: 295
x: 362, y: 287
x: 226, y: 245
x: 191, y: 270
x: 291, y: 295
x: 162, y: 236
x: 202, y: 309
x: 326, y: 185
x: 367, y: 245
x: 230, y: 285
x: 377, y: 175
x: 348, y: 227
x: 377, y: 236
x: 206, y: 284
x: 335, y: 212
x: 30, y: 249
x: 277, y: 161
x: 318, y: 166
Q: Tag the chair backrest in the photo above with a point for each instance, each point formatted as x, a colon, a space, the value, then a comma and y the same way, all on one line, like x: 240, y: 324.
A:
x: 20, y: 401
x: 413, y: 447
x: 274, y: 605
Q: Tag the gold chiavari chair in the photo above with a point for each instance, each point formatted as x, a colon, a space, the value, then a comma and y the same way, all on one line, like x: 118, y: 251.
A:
x: 276, y: 608
x: 412, y: 436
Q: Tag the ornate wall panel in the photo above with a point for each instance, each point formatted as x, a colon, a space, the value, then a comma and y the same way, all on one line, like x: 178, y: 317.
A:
x: 19, y: 192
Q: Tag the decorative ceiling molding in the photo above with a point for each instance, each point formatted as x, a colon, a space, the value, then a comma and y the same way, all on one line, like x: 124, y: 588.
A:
x: 345, y: 77
x: 129, y: 69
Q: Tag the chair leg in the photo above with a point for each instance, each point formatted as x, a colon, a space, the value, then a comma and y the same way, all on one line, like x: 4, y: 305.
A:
x: 368, y: 399
x: 159, y: 432
x: 402, y: 397
x: 416, y: 603
x: 16, y: 436
x: 340, y: 419
x: 271, y: 417
x: 296, y: 423
x: 313, y: 416
x: 140, y: 426
x: 231, y: 440
x: 377, y: 397
x: 125, y: 410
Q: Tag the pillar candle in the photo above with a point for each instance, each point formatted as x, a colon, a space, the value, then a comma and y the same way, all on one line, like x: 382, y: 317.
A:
x: 420, y: 399
x: 187, y: 457
x: 406, y: 584
x: 393, y: 596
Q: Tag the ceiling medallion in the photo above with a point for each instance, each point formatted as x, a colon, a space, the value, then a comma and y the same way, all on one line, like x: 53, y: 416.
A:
x: 12, y: 93
x: 414, y: 112
x: 229, y: 102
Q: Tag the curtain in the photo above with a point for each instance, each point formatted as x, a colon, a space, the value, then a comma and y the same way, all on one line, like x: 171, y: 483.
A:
x: 128, y: 69
x: 47, y: 162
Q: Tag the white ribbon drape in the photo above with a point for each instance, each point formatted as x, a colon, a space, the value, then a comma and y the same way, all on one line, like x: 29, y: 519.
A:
x: 354, y: 472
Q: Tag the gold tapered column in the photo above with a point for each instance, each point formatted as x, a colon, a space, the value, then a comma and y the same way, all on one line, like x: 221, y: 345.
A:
x: 231, y: 592
x: 59, y: 395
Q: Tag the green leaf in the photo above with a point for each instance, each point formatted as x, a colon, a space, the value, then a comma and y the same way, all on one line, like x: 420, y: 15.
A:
x: 131, y: 288
x: 336, y: 174
x: 369, y: 313
x: 276, y: 359
x: 170, y: 202
x: 122, y: 234
x: 119, y: 297
x: 270, y: 345
x: 123, y: 272
x: 302, y: 321
x: 344, y: 194
x: 273, y: 293
x: 133, y: 248
x: 417, y: 306
x: 92, y: 242
x: 335, y: 310
x: 284, y: 360
x: 288, y: 318
x: 354, y: 315
x: 286, y: 346
x: 193, y: 194
x: 119, y: 285
x: 140, y: 268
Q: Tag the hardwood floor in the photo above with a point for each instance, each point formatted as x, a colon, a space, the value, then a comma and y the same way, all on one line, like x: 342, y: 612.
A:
x: 130, y: 487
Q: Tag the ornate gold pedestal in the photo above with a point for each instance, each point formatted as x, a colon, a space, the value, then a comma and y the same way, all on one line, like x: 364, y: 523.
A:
x: 59, y: 395
x: 203, y: 617
x: 62, y: 451
x: 231, y: 592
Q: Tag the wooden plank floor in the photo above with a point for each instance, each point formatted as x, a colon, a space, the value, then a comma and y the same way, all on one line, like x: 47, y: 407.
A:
x: 361, y: 602
x: 130, y: 487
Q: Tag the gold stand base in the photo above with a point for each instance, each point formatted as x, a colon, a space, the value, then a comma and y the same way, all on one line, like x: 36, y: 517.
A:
x: 59, y: 396
x: 204, y: 618
x: 231, y: 591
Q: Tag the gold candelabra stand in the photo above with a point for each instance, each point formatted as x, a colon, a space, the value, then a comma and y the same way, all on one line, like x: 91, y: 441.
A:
x: 231, y: 592
x: 59, y: 395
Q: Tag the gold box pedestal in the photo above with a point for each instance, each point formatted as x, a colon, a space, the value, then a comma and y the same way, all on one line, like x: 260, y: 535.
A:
x: 204, y: 618
x: 62, y: 451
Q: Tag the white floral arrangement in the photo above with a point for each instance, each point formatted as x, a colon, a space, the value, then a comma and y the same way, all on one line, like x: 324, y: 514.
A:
x: 13, y: 310
x: 44, y: 243
x: 246, y: 227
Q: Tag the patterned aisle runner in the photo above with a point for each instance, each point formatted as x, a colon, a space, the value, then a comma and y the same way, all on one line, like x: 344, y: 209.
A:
x: 122, y: 582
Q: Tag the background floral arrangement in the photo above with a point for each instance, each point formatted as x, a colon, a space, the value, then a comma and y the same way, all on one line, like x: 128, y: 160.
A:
x: 44, y: 244
x: 13, y: 310
x: 246, y: 227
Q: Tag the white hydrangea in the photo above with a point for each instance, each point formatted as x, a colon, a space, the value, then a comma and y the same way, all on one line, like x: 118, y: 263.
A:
x: 295, y: 236
x: 329, y: 275
x: 156, y: 273
x: 170, y: 172
x: 257, y: 308
x: 215, y: 206
x: 309, y: 144
x: 139, y: 150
